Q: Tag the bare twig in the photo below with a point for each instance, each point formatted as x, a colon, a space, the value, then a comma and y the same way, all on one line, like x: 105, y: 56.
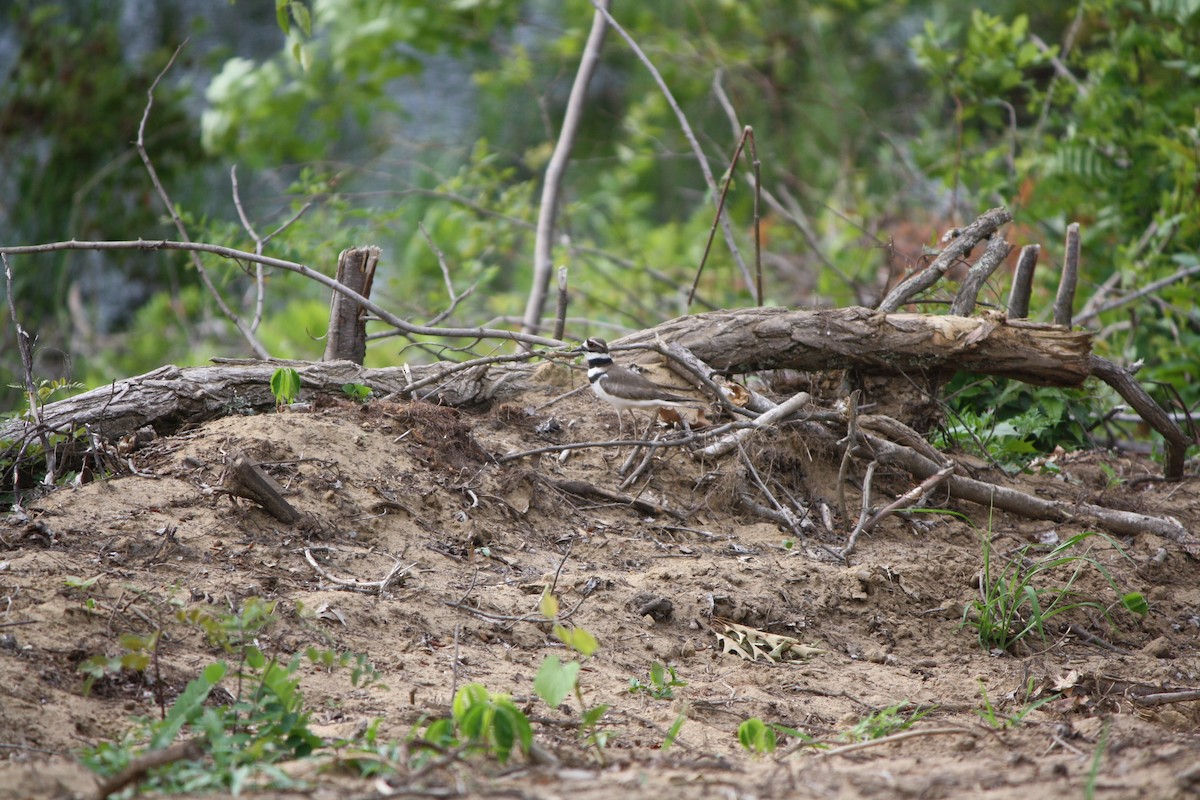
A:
x: 1177, y: 441
x: 861, y: 527
x: 455, y: 299
x: 909, y: 498
x: 956, y: 250
x: 259, y: 281
x: 245, y: 330
x: 138, y: 768
x: 25, y: 348
x: 1065, y: 299
x: 747, y: 135
x: 552, y: 185
x: 968, y: 291
x: 1148, y: 289
x: 726, y: 443
x: 241, y: 255
x: 783, y: 513
x: 850, y: 442
x: 726, y: 227
x: 354, y: 584
x: 895, y: 737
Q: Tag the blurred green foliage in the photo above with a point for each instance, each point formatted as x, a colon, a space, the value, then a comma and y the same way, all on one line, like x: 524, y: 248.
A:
x: 870, y: 117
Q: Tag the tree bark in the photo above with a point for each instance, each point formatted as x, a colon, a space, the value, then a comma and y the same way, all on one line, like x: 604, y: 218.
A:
x: 749, y: 339
x: 347, y: 336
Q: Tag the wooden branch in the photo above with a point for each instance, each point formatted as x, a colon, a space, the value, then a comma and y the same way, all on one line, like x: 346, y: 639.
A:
x: 1125, y: 523
x: 1177, y: 441
x: 750, y: 339
x: 170, y: 396
x: 169, y: 206
x: 347, y: 336
x: 954, y: 252
x: 279, y: 263
x: 557, y: 167
x: 246, y: 479
x: 1022, y: 287
x: 968, y: 291
x: 1064, y: 301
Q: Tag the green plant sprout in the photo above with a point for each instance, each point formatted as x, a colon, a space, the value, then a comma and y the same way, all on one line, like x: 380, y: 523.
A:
x: 885, y: 722
x: 1012, y: 605
x: 266, y: 724
x: 663, y: 681
x: 557, y: 678
x: 994, y: 719
x: 356, y: 392
x: 285, y: 385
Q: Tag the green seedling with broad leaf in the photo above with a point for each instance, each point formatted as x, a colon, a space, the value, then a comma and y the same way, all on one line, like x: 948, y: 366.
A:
x: 285, y: 385
x: 356, y: 392
x: 756, y: 736
x: 556, y: 679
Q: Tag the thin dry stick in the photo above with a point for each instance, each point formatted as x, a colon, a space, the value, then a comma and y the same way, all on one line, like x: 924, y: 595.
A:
x: 862, y: 515
x: 747, y: 133
x: 259, y: 280
x: 726, y: 227
x: 1148, y: 289
x: 354, y: 584
x: 552, y: 185
x: 895, y: 737
x: 909, y: 498
x: 455, y: 299
x: 560, y: 309
x: 1022, y: 286
x: 246, y: 332
x: 25, y: 348
x: 1065, y: 299
x: 757, y: 167
x: 241, y: 255
x: 783, y: 512
x: 851, y: 442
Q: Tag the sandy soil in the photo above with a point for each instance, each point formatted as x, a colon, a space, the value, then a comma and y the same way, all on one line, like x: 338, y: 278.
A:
x: 383, y: 484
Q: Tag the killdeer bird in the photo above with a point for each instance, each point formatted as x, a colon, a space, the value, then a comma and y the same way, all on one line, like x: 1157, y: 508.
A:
x: 622, y: 388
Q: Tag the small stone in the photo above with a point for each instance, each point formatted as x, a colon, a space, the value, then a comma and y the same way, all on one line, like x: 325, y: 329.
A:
x: 1159, y: 648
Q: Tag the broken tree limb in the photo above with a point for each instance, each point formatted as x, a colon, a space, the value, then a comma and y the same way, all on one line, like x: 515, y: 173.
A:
x: 347, y: 337
x: 246, y: 479
x: 1064, y: 301
x: 1125, y: 523
x: 955, y: 251
x: 968, y: 291
x: 751, y: 339
x: 1022, y: 286
x: 1177, y: 441
x: 171, y: 396
x: 785, y: 409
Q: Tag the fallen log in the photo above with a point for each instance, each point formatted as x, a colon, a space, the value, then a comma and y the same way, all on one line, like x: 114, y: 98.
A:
x: 750, y: 339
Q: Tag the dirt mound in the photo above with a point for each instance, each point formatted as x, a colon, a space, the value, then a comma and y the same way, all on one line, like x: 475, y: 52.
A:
x: 413, y: 492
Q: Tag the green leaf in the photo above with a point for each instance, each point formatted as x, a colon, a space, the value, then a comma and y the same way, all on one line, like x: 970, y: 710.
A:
x: 756, y: 736
x: 1136, y: 602
x: 285, y: 385
x: 548, y: 605
x: 555, y: 680
x: 577, y: 639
